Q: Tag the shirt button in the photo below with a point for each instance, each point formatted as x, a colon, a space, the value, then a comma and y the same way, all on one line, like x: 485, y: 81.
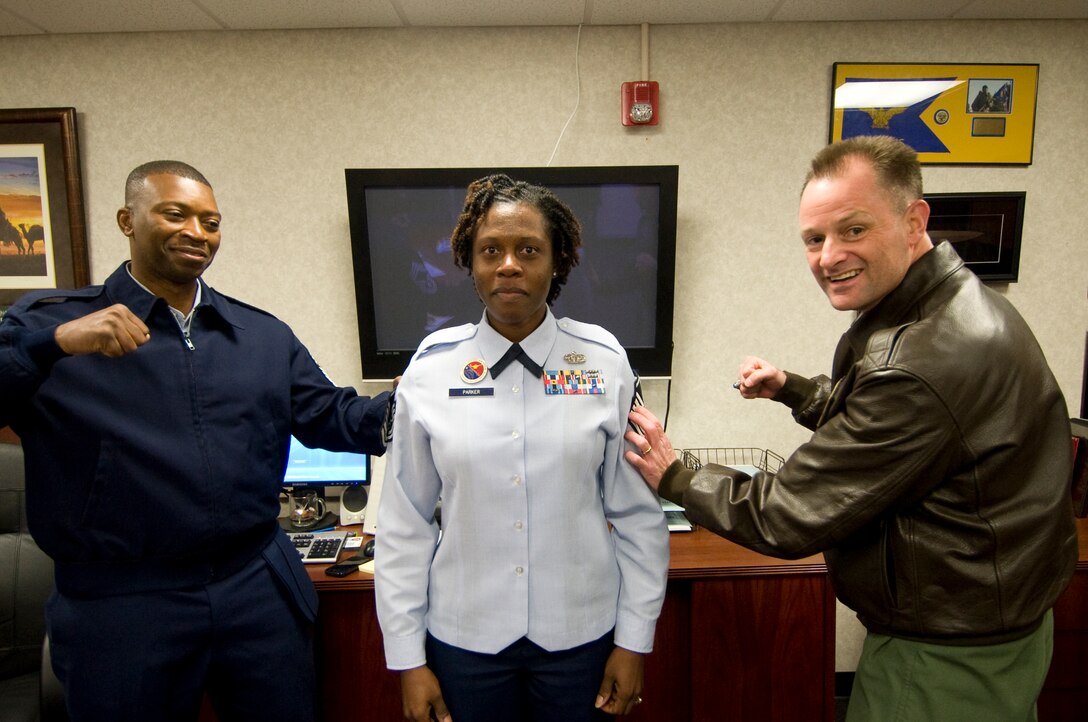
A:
x: 517, y: 481
x: 519, y: 571
x: 517, y: 525
x: 516, y: 389
x: 516, y: 434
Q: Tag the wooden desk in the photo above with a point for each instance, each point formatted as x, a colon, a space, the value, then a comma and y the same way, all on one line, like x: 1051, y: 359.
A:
x: 741, y: 636
x: 1065, y: 693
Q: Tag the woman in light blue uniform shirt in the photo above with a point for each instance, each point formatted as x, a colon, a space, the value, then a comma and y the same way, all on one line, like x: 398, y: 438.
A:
x: 541, y: 596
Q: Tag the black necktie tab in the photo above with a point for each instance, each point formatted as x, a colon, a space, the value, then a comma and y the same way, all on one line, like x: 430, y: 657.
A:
x: 512, y: 353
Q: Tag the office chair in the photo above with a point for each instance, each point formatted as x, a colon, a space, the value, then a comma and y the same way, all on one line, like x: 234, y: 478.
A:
x: 29, y: 689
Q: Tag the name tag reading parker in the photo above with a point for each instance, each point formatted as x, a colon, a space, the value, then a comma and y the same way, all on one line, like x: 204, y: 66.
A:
x: 572, y: 382
x: 471, y: 393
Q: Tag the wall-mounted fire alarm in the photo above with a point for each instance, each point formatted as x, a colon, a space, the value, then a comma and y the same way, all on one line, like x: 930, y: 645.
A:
x: 639, y: 103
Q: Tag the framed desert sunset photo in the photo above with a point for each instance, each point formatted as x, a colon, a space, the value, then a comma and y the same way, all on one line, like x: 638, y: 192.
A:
x: 42, y: 229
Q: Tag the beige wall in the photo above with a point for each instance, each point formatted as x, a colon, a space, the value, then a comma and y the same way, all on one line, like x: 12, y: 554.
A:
x: 273, y: 118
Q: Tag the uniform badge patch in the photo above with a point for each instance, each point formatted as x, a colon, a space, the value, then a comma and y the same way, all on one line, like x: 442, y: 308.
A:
x: 474, y: 372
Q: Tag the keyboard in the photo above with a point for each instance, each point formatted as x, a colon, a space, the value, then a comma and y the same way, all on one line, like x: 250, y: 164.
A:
x: 318, y: 547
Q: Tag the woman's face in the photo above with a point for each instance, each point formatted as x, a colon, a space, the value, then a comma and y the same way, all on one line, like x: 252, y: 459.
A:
x: 512, y: 267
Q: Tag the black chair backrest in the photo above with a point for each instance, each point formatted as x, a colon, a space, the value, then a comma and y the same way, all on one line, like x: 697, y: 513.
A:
x: 26, y: 574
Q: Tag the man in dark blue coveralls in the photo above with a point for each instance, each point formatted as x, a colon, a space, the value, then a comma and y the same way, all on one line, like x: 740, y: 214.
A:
x: 155, y: 414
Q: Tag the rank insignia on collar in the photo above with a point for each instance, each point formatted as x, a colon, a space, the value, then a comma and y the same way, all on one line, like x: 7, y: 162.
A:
x: 575, y: 358
x: 474, y: 372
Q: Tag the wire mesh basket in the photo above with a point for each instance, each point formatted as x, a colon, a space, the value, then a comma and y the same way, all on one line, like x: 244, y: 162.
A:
x: 764, y: 459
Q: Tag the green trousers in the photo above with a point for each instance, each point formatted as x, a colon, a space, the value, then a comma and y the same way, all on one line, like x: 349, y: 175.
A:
x: 902, y: 681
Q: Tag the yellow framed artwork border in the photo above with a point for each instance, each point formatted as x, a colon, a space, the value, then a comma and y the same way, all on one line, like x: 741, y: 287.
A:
x: 950, y: 113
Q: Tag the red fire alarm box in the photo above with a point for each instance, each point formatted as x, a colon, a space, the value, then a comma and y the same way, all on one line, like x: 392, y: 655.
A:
x: 639, y: 103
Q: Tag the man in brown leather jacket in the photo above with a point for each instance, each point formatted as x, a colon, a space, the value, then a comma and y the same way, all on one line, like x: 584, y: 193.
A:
x: 936, y: 479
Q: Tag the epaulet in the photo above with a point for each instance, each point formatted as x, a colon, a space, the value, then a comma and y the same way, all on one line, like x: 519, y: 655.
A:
x: 445, y: 337
x: 589, y: 332
x: 59, y: 295
x: 881, y: 346
x: 236, y: 302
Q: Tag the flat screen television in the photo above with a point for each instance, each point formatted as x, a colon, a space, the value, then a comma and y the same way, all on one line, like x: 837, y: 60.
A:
x: 406, y: 284
x: 319, y: 468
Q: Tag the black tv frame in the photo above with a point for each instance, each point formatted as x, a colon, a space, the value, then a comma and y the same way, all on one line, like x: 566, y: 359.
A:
x: 655, y: 361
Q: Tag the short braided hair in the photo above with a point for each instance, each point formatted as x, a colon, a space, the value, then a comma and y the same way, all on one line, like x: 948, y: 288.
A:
x: 559, y: 220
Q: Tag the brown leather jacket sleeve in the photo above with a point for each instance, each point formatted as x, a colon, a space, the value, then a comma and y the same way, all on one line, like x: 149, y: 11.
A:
x: 857, y: 467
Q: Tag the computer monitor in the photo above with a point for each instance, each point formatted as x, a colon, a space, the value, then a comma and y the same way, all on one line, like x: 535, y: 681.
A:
x: 407, y: 286
x: 308, y: 467
x: 309, y: 472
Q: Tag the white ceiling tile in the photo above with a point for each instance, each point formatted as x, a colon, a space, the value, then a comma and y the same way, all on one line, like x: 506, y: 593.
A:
x: 14, y: 25
x: 100, y: 16
x: 1018, y: 9
x: 474, y: 13
x: 285, y: 14
x: 656, y: 12
x: 28, y: 17
x: 845, y: 10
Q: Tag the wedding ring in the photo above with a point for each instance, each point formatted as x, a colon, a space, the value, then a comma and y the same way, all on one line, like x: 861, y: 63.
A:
x: 648, y: 450
x: 638, y: 700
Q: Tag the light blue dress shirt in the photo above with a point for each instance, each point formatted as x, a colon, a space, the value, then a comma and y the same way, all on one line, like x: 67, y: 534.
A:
x: 529, y: 482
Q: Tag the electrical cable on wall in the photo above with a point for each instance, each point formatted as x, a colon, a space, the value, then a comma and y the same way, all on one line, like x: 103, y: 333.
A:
x: 639, y: 100
x: 578, y: 95
x: 645, y: 60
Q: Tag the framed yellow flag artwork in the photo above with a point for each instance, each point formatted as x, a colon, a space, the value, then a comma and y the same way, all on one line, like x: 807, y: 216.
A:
x: 949, y: 113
